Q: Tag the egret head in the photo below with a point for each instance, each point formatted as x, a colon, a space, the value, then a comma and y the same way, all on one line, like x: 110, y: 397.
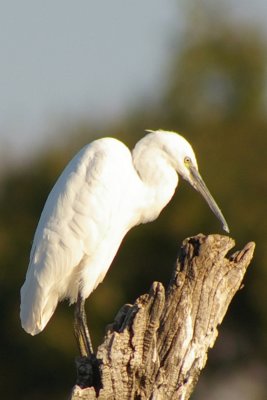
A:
x: 184, y: 161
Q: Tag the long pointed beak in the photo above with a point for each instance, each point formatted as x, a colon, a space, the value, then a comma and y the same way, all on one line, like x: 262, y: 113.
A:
x: 198, y: 183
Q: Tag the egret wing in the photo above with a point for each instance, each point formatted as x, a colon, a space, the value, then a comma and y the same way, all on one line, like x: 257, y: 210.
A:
x: 78, y: 212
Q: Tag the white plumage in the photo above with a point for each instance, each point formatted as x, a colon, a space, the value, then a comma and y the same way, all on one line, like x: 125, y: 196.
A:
x: 102, y: 193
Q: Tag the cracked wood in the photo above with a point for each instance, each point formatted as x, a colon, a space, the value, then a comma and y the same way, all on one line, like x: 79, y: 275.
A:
x: 157, y: 347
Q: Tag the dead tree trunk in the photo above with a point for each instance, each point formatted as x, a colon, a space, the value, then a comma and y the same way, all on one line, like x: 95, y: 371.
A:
x: 156, y: 348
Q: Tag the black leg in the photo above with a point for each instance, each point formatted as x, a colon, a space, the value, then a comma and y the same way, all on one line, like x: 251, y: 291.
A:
x: 81, y: 330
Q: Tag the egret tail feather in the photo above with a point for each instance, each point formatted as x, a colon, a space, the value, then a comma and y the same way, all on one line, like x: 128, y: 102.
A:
x: 36, y: 307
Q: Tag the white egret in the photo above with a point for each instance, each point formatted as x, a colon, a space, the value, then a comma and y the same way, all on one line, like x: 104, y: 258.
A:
x: 102, y: 193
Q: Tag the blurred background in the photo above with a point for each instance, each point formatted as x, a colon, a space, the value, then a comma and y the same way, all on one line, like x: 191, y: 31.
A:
x: 75, y: 71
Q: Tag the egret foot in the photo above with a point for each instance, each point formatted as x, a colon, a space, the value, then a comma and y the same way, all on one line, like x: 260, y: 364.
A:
x: 88, y: 372
x: 81, y: 330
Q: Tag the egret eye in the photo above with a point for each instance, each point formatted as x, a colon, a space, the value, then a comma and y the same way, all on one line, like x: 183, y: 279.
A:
x: 187, y: 161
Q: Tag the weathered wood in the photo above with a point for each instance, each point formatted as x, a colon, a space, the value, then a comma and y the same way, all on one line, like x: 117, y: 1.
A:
x: 156, y: 348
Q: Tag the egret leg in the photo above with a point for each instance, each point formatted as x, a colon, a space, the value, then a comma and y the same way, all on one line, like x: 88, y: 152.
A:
x: 81, y: 330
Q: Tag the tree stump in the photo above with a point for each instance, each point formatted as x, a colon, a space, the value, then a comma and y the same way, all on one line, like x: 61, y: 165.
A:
x: 156, y: 348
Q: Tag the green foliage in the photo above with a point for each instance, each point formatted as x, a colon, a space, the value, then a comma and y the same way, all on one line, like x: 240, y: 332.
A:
x: 215, y: 96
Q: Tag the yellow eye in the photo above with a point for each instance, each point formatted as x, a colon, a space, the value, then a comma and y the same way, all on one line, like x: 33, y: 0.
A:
x: 187, y: 161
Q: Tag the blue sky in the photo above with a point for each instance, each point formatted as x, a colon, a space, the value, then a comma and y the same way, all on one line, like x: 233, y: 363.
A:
x: 65, y: 59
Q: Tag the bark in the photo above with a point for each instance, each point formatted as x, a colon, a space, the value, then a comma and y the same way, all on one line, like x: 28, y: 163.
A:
x: 157, y: 347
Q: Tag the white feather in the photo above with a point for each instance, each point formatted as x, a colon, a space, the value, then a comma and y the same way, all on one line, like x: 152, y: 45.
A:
x: 102, y: 193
